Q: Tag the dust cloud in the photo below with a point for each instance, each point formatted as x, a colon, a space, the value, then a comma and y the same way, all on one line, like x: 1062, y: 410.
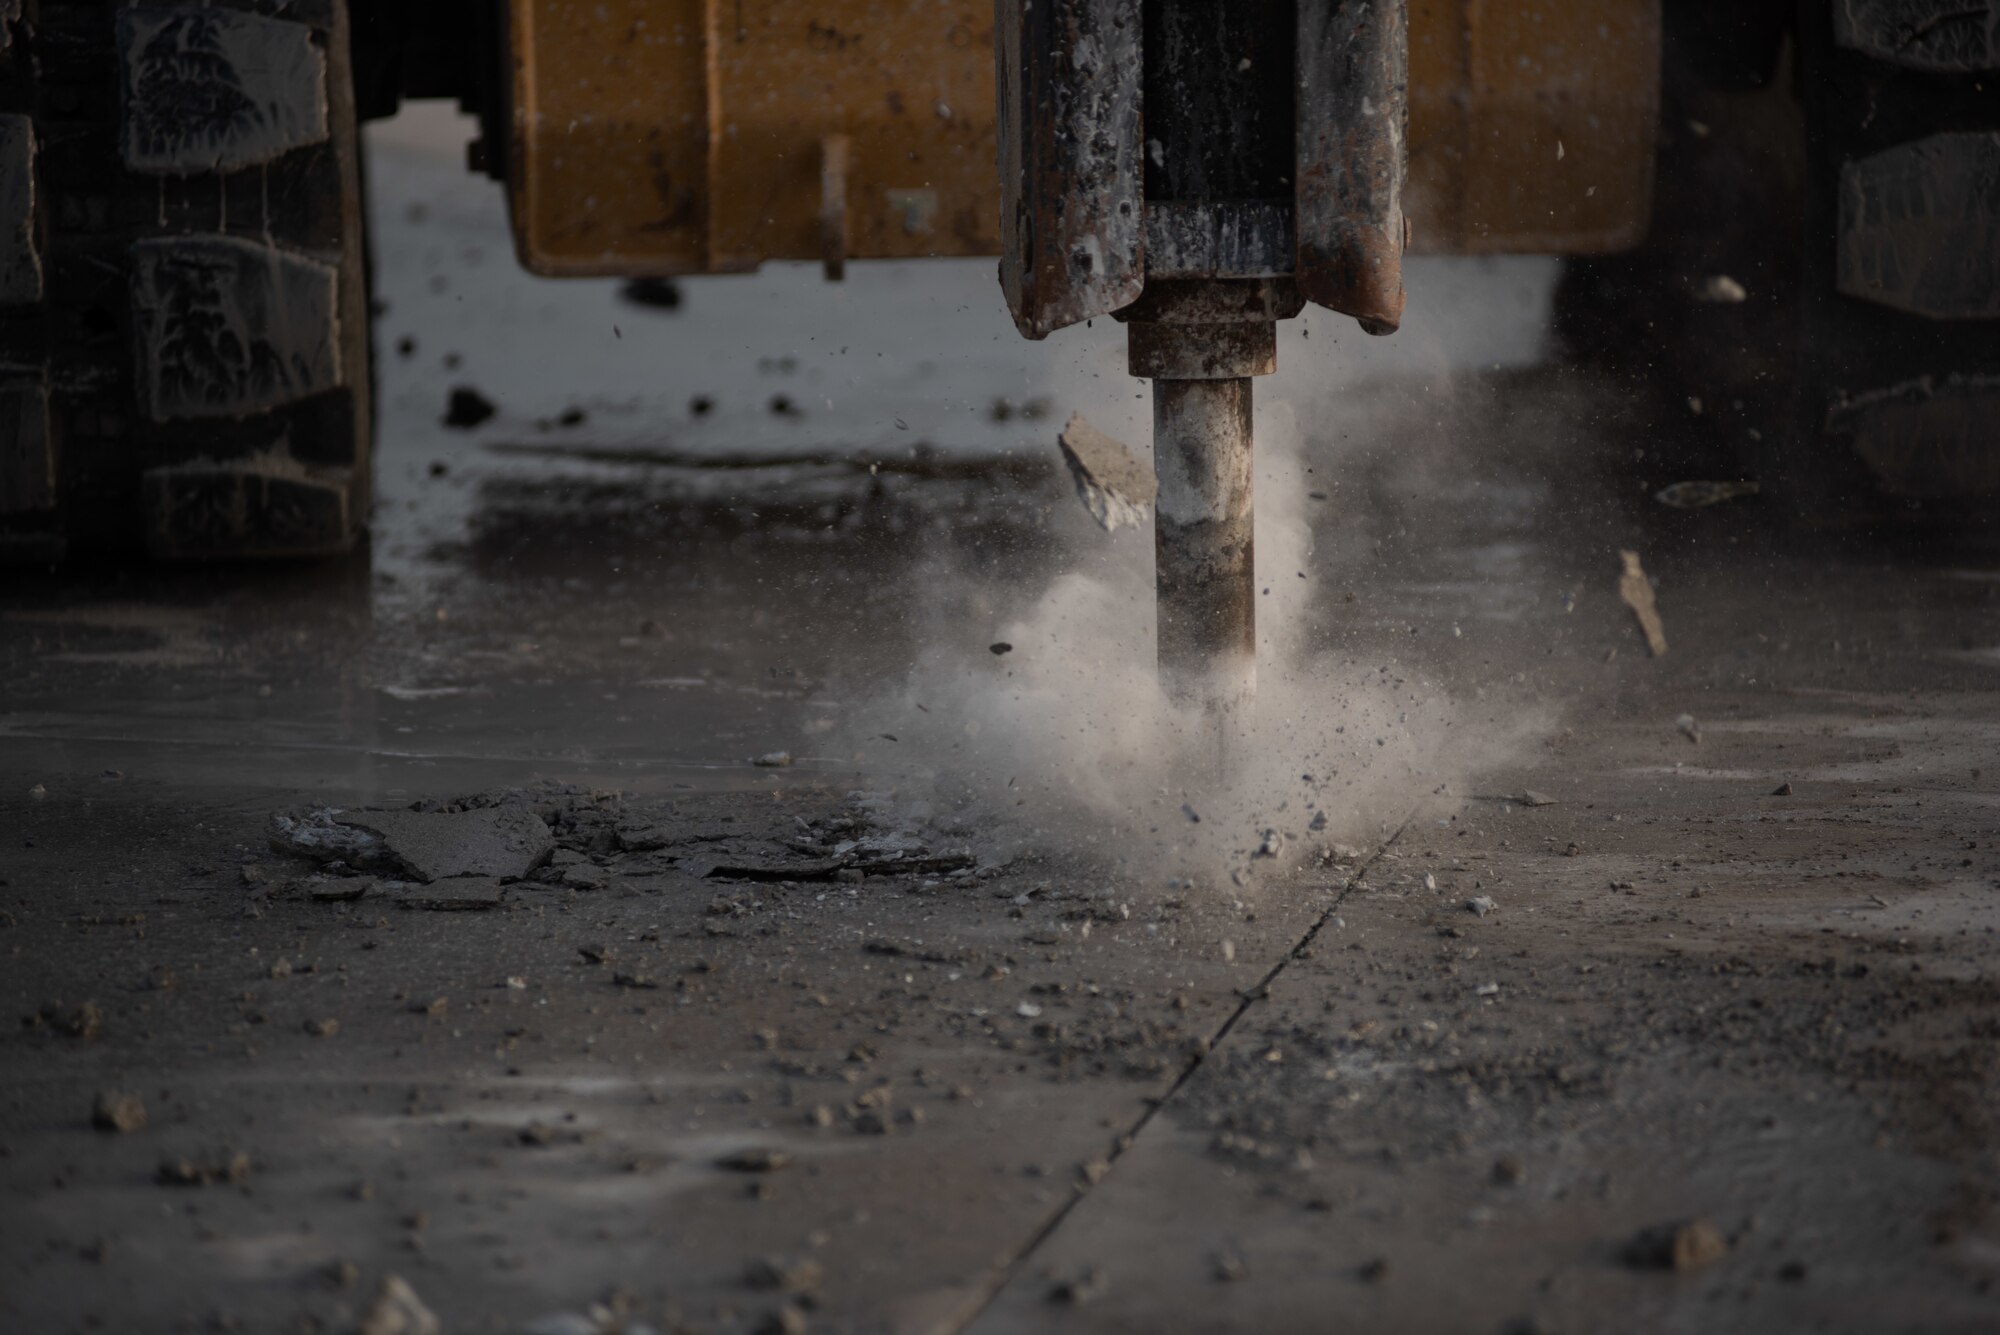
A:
x: 1064, y: 744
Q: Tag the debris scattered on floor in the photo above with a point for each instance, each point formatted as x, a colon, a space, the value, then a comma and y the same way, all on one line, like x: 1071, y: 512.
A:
x: 1637, y: 592
x: 458, y: 894
x: 1697, y: 495
x: 1531, y: 798
x: 660, y: 294
x: 1111, y: 481
x: 324, y: 1027
x: 467, y: 408
x: 1782, y: 790
x: 758, y: 1159
x: 774, y: 760
x: 1686, y: 1245
x: 504, y: 841
x: 233, y: 1169
x: 122, y: 1113
x: 498, y: 841
x: 1722, y: 290
x: 84, y: 1021
x: 786, y: 1320
x: 1087, y: 1285
x: 1480, y: 905
x: 398, y: 1311
x: 1510, y: 1170
x: 785, y: 1274
x: 1689, y: 728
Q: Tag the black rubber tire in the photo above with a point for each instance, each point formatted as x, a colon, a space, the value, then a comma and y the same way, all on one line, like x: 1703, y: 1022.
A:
x: 184, y: 325
x: 1897, y: 383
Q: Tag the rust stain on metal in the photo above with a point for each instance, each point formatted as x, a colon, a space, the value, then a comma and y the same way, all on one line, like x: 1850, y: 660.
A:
x: 1353, y: 116
x: 1072, y: 213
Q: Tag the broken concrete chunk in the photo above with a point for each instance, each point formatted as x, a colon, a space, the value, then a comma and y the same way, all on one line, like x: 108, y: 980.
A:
x: 1637, y: 592
x: 319, y: 835
x: 1111, y: 481
x: 507, y: 842
x: 1721, y: 290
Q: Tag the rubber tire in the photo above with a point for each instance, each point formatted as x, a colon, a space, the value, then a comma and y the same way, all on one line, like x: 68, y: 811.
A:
x: 1896, y: 415
x: 185, y: 358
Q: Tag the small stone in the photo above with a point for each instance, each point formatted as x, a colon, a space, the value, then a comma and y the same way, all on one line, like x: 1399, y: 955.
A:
x: 758, y: 1159
x: 325, y: 1028
x: 786, y: 1320
x: 774, y: 760
x: 1480, y: 905
x: 122, y: 1113
x: 467, y: 408
x: 1086, y: 1286
x: 85, y: 1021
x: 1531, y: 798
x: 785, y: 1274
x: 1688, y: 1245
x: 1720, y: 289
x: 1782, y: 790
x: 190, y: 1173
x: 1375, y: 1271
x: 1509, y: 1170
x: 1229, y: 1268
x: 398, y: 1311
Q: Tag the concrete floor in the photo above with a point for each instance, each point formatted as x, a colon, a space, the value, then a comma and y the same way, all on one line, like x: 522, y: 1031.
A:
x: 1083, y: 1063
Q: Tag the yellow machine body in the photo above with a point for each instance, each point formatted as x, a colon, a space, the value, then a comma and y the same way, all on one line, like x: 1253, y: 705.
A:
x: 657, y: 137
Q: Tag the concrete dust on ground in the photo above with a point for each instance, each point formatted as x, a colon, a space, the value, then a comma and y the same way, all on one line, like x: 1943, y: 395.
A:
x: 418, y: 944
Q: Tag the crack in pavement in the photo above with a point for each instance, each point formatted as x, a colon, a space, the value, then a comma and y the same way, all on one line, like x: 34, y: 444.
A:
x: 1016, y: 1264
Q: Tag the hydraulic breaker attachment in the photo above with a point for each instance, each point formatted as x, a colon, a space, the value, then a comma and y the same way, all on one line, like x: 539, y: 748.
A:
x: 1200, y: 171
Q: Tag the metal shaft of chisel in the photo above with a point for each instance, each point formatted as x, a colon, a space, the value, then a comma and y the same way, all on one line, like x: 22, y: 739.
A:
x: 1204, y: 551
x: 1199, y: 342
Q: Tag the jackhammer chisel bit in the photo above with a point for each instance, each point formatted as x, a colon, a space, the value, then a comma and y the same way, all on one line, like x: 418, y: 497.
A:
x: 1201, y: 171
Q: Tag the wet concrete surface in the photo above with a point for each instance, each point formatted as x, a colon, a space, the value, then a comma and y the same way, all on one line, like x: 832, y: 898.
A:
x: 1010, y: 1083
